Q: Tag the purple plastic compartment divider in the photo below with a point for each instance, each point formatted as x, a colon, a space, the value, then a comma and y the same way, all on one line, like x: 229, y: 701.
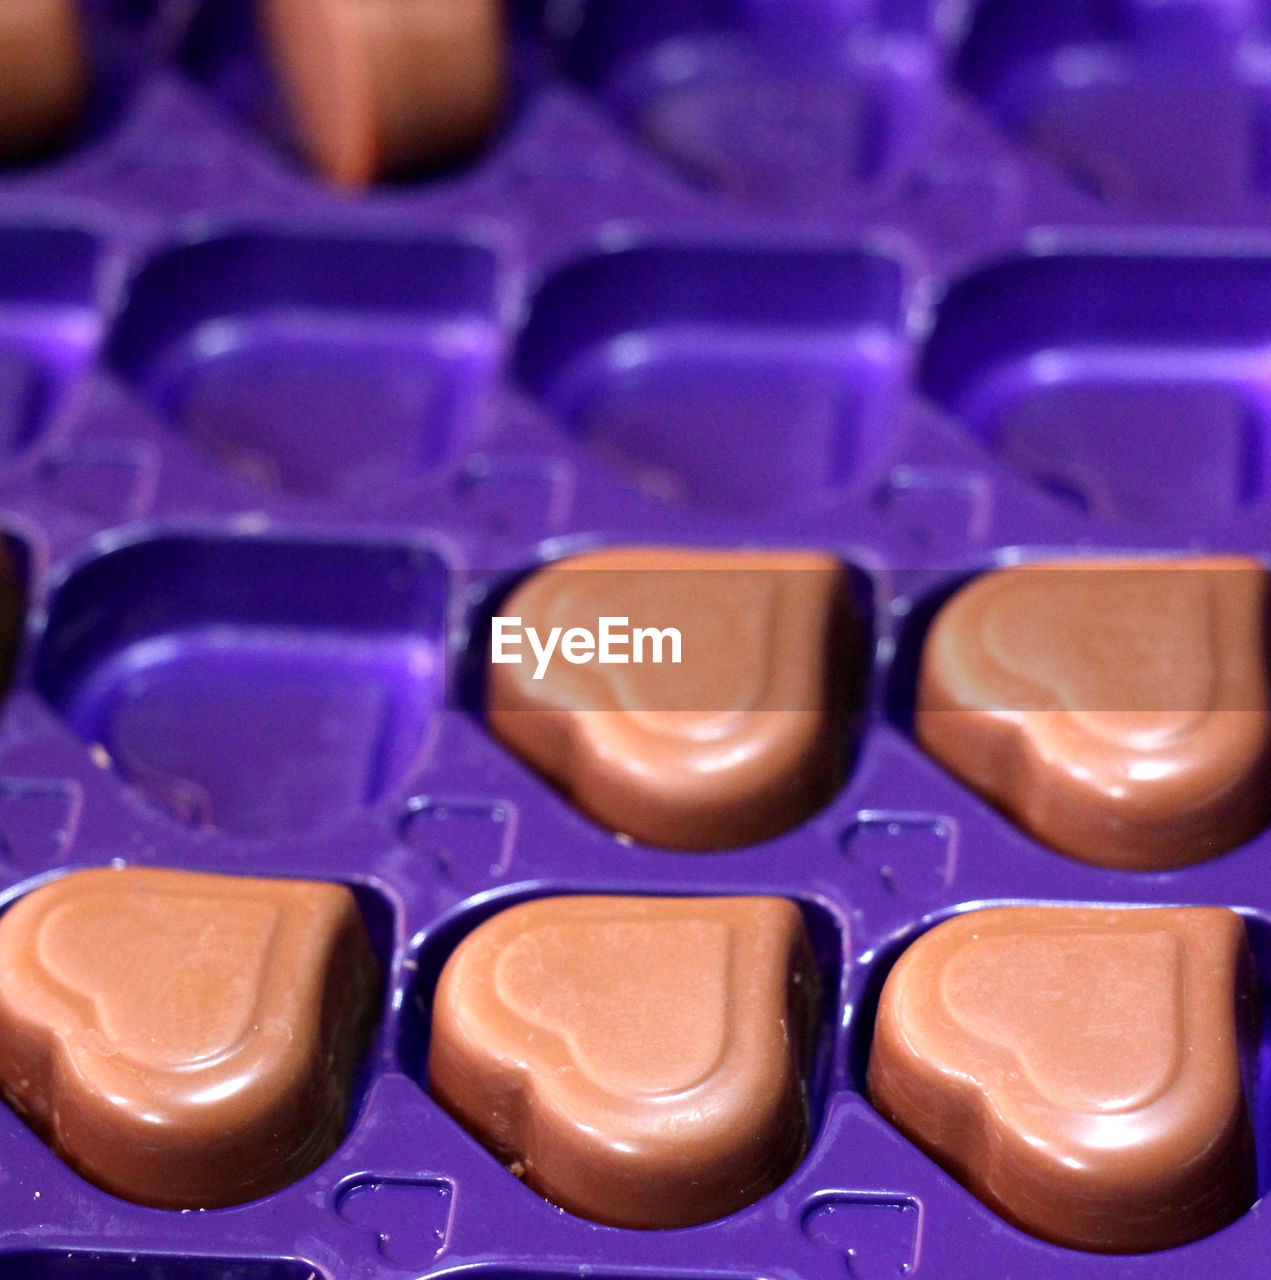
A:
x: 932, y: 287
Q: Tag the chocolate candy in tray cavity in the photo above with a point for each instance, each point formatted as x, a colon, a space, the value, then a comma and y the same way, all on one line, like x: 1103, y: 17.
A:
x: 638, y: 1061
x: 386, y: 88
x: 184, y: 1040
x: 783, y: 303
x: 1117, y: 710
x: 43, y: 77
x: 738, y: 736
x: 1079, y: 1069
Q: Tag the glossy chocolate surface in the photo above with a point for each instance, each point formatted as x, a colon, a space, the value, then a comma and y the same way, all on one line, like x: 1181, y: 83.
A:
x: 43, y: 79
x: 924, y: 287
x: 1078, y: 1069
x: 1117, y: 710
x: 637, y: 1061
x: 184, y: 1040
x: 744, y: 739
x: 386, y: 88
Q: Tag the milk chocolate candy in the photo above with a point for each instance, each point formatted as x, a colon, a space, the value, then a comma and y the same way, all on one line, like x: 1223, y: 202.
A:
x: 742, y: 739
x: 42, y: 76
x: 1117, y: 710
x: 183, y: 1040
x: 1078, y: 1069
x: 384, y: 88
x: 638, y: 1061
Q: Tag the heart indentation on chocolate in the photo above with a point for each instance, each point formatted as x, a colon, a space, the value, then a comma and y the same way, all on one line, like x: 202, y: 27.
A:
x: 727, y: 620
x: 102, y: 946
x: 641, y: 1006
x: 1093, y: 1021
x: 1131, y: 655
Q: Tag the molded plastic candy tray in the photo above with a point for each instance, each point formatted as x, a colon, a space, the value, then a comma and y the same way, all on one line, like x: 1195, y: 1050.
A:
x: 931, y: 291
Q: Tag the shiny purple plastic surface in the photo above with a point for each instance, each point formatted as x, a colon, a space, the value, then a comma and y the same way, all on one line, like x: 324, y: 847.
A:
x: 928, y: 286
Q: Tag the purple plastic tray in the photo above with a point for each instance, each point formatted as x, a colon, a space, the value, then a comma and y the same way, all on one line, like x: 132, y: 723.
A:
x: 932, y: 288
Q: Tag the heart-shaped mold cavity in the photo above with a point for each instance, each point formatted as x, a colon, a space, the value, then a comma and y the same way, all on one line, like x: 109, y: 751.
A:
x: 638, y: 1061
x: 1117, y: 710
x: 783, y: 105
x: 1081, y: 1070
x: 186, y: 1041
x: 410, y: 1217
x: 741, y: 378
x: 316, y: 365
x: 719, y: 718
x: 1108, y: 92
x: 259, y: 686
x: 1152, y: 403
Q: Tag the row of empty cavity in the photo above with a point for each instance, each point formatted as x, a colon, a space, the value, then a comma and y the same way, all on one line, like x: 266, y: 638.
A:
x: 787, y: 105
x: 816, y: 100
x: 731, y: 376
x: 822, y: 99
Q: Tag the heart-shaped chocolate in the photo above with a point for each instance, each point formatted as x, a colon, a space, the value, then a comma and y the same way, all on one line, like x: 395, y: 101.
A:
x: 185, y: 1040
x: 733, y: 609
x: 1118, y: 710
x: 43, y: 76
x: 574, y: 980
x: 739, y: 739
x: 1013, y: 990
x: 97, y: 944
x: 1078, y: 1069
x: 638, y: 1060
x: 350, y: 77
x: 1150, y: 649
